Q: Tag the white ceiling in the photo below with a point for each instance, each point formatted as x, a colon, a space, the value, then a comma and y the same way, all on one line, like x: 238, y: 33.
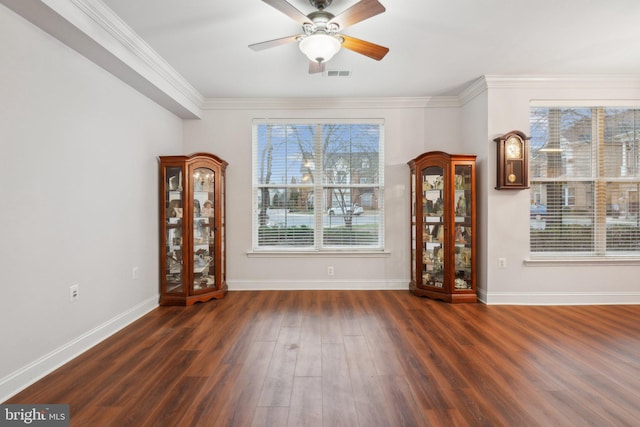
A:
x: 437, y: 47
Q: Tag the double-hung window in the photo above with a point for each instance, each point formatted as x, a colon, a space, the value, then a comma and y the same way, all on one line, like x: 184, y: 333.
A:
x: 585, y: 181
x: 318, y: 185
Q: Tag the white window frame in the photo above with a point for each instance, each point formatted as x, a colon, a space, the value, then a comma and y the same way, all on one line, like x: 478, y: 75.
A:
x: 600, y: 253
x: 318, y: 195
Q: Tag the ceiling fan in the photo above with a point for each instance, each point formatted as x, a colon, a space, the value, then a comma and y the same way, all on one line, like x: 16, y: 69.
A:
x: 322, y: 38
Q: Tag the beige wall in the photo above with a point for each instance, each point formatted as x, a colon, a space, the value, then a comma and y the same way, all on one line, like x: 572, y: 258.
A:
x: 409, y: 131
x: 525, y: 282
x: 78, y: 190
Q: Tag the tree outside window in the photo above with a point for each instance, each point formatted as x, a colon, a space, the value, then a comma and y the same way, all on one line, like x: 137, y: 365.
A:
x: 317, y: 185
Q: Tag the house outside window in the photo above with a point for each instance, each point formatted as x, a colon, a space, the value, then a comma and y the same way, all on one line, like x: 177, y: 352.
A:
x: 585, y: 182
x: 318, y: 185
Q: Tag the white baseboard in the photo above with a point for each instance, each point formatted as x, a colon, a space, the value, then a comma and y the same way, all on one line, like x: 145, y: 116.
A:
x: 29, y: 374
x: 332, y: 285
x: 560, y: 298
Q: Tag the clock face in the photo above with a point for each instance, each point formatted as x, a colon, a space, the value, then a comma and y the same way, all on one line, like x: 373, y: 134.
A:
x: 513, y: 148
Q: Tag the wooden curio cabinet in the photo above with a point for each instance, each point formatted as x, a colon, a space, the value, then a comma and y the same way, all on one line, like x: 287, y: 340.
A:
x: 443, y: 226
x: 192, y: 229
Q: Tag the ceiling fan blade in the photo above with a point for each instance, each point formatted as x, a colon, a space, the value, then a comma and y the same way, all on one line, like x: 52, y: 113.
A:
x: 358, y: 12
x: 273, y: 43
x: 289, y: 10
x: 362, y: 47
x: 316, y: 67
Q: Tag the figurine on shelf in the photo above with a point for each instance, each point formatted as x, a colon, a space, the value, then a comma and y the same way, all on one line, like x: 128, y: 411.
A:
x: 426, y: 235
x: 461, y: 284
x: 438, y: 183
x: 172, y: 209
x: 438, y: 207
x: 208, y: 208
x: 175, y: 182
x: 427, y: 206
x: 459, y: 182
x: 461, y: 206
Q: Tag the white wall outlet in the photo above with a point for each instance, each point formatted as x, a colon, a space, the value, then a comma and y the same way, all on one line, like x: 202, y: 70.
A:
x: 73, y: 292
x: 502, y: 263
x: 330, y: 270
x: 134, y: 273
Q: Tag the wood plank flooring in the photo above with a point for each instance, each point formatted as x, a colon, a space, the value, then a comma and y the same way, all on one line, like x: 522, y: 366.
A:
x: 357, y: 358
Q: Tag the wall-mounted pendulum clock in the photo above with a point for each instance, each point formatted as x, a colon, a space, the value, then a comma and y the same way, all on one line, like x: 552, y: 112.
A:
x: 512, y: 161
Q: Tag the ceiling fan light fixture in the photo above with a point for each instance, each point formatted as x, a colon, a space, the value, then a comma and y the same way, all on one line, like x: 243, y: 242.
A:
x: 320, y: 47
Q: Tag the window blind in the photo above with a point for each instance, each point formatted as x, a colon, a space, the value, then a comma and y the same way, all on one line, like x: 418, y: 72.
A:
x: 317, y: 185
x: 584, y: 181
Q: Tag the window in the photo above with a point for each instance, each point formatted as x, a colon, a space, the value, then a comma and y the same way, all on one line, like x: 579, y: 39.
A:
x: 318, y: 185
x: 585, y: 180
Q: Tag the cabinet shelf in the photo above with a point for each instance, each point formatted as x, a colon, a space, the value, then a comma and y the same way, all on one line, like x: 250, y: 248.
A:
x: 443, y: 237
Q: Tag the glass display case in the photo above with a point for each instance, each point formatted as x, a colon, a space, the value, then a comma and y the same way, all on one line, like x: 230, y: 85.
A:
x: 443, y: 226
x: 192, y: 222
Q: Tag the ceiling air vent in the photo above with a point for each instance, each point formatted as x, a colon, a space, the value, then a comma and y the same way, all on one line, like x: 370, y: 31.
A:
x: 338, y: 73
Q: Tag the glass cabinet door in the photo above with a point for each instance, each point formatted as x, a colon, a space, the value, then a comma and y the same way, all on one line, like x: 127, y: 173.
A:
x: 173, y: 231
x: 413, y: 227
x: 443, y: 234
x: 463, y: 228
x: 203, y: 239
x: 223, y: 236
x: 191, y: 233
x: 433, y: 227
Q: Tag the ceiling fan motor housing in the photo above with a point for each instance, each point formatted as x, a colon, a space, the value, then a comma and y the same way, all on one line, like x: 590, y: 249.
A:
x: 320, y: 22
x: 320, y: 4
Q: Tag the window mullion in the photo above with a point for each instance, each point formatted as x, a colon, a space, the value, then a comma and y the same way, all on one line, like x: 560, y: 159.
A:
x: 318, y: 189
x: 600, y: 217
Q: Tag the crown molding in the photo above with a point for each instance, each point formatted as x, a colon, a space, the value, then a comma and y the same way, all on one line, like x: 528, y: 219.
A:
x: 330, y: 103
x: 120, y: 31
x: 476, y: 88
x: 96, y: 32
x: 497, y: 82
x: 564, y: 81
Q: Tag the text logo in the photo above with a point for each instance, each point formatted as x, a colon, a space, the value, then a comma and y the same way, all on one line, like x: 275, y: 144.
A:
x: 34, y: 415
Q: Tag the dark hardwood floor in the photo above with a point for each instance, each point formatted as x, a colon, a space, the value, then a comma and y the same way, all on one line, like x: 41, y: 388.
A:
x: 357, y: 358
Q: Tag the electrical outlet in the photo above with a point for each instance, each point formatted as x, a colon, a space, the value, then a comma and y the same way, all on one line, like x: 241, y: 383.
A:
x: 502, y: 263
x: 134, y: 273
x: 330, y: 270
x: 73, y: 292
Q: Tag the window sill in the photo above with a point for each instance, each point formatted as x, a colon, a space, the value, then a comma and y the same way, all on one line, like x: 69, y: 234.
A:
x: 318, y: 254
x: 568, y: 262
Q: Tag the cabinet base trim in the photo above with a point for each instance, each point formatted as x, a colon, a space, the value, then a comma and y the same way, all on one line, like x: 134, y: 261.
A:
x: 192, y: 299
x: 452, y: 298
